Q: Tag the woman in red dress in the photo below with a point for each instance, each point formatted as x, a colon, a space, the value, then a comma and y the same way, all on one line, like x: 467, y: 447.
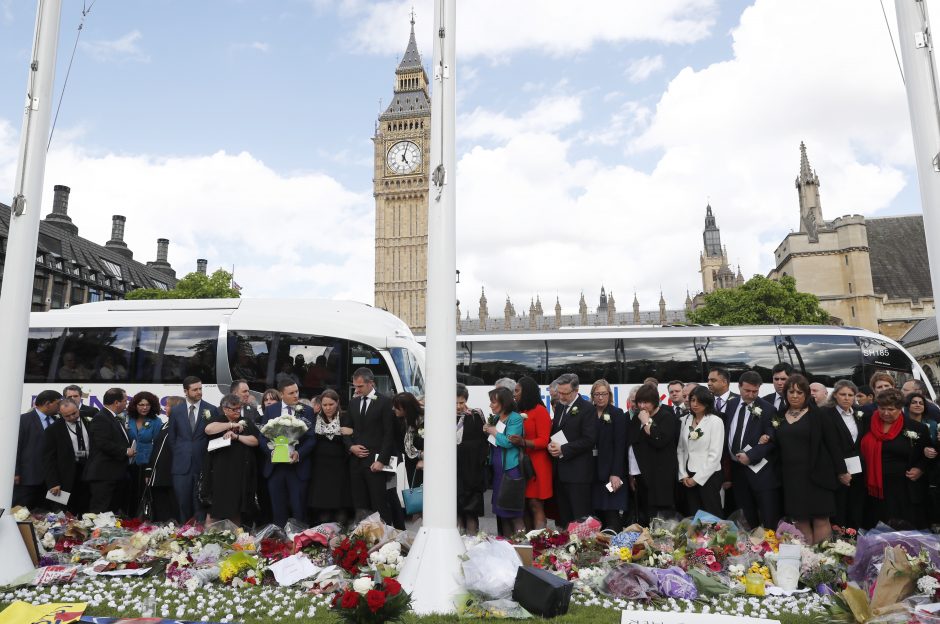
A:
x: 537, y: 424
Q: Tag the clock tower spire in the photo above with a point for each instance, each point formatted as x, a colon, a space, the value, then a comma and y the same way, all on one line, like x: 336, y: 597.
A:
x: 400, y: 187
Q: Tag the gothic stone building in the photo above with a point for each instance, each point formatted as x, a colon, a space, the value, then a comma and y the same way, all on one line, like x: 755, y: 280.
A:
x: 71, y: 270
x: 870, y: 273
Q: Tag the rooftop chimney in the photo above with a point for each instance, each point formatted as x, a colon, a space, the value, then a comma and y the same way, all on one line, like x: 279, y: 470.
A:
x: 60, y: 207
x: 161, y: 264
x: 117, y: 237
x: 202, y: 265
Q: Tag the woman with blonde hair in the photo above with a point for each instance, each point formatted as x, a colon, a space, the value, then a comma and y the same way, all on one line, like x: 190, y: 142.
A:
x: 609, y: 492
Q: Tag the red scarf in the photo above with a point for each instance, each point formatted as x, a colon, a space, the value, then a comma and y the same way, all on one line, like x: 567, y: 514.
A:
x: 871, y: 451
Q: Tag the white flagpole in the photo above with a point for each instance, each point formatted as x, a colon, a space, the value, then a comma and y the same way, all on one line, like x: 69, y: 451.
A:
x: 432, y: 572
x: 16, y: 294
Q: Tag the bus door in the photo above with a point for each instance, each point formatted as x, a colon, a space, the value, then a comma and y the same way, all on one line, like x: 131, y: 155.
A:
x: 880, y: 355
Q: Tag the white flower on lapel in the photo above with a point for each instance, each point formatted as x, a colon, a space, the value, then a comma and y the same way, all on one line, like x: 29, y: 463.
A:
x: 421, y: 432
x: 371, y: 396
x: 206, y: 414
x: 756, y: 410
x: 574, y: 410
x: 911, y: 435
x: 859, y: 414
x: 695, y: 434
x: 606, y: 417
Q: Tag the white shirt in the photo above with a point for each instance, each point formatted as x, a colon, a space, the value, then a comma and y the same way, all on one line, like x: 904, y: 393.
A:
x: 703, y: 455
x: 724, y: 400
x: 74, y: 428
x: 849, y: 419
x: 294, y: 409
x: 44, y: 420
x: 778, y: 401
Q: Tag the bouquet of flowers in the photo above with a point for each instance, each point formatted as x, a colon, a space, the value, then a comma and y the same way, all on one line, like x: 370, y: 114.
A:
x: 372, y: 602
x: 240, y: 568
x: 283, y: 432
x: 351, y: 554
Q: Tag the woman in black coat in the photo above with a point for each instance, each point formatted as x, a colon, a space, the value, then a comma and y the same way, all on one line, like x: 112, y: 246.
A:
x: 654, y: 437
x: 851, y: 424
x: 811, y: 463
x: 893, y: 450
x: 472, y: 451
x: 609, y: 490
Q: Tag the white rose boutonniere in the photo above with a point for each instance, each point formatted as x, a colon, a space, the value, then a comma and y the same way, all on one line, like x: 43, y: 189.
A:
x: 911, y: 435
x: 574, y: 410
x: 695, y: 434
x: 606, y: 417
x: 859, y: 414
x: 421, y: 432
x: 206, y: 414
x: 775, y: 422
x: 756, y: 411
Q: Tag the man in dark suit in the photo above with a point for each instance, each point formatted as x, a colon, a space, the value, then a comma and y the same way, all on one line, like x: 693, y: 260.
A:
x: 75, y: 393
x: 576, y: 418
x: 251, y: 413
x: 371, y: 445
x: 29, y: 484
x: 109, y: 456
x: 187, y: 441
x: 676, y: 397
x: 779, y: 375
x: 747, y: 418
x: 65, y: 456
x: 719, y: 382
x: 287, y: 483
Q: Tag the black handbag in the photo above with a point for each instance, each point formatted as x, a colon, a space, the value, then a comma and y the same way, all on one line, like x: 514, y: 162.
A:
x: 145, y: 507
x: 525, y: 463
x: 511, y: 495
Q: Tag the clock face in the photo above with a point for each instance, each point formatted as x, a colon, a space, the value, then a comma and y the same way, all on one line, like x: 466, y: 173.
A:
x: 403, y: 157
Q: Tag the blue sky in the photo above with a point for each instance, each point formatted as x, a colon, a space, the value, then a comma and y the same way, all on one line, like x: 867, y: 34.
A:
x: 240, y: 130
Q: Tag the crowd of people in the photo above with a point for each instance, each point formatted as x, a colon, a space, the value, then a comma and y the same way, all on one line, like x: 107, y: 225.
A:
x: 855, y: 457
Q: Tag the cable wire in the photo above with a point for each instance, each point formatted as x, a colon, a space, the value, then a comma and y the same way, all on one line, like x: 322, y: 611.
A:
x: 86, y: 9
x: 891, y: 37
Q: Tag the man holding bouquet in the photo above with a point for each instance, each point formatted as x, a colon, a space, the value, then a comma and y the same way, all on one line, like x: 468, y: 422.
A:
x: 286, y: 445
x: 370, y: 446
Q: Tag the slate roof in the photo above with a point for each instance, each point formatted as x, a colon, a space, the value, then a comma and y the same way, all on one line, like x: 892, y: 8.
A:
x: 408, y: 104
x: 57, y: 241
x: 412, y: 59
x: 924, y: 330
x: 898, y: 256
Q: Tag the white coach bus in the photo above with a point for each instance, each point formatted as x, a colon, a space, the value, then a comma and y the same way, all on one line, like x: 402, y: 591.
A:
x: 625, y: 356
x: 153, y: 345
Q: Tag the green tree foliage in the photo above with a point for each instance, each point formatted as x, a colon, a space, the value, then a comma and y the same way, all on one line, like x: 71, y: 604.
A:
x: 194, y: 286
x: 761, y: 301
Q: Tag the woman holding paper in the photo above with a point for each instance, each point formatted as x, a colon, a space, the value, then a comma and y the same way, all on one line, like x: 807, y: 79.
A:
x: 505, y: 456
x: 609, y: 490
x: 538, y: 428
x: 852, y: 426
x: 232, y: 463
x: 893, y: 453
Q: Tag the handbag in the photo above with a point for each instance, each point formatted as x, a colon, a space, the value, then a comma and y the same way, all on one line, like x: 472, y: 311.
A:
x: 525, y: 463
x: 413, y: 497
x: 145, y: 508
x: 511, y: 495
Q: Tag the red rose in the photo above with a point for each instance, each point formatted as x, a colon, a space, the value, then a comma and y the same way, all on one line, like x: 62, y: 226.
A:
x: 132, y: 565
x: 392, y: 586
x: 375, y: 599
x: 350, y: 600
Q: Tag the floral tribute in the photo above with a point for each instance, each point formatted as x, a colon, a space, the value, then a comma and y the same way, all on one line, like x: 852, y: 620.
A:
x: 371, y: 601
x: 351, y: 555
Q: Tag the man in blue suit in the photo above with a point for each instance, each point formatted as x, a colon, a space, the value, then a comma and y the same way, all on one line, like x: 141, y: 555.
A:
x: 29, y: 483
x: 187, y: 441
x: 747, y: 418
x: 287, y: 483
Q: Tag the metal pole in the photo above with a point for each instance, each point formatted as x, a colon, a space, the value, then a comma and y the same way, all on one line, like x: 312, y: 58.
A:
x: 432, y: 571
x: 917, y: 59
x: 16, y: 294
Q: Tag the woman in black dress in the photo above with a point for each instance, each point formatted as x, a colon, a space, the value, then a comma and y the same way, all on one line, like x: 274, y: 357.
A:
x: 472, y: 450
x: 654, y: 437
x: 852, y: 426
x: 893, y: 450
x: 232, y: 468
x: 328, y: 494
x: 608, y: 492
x: 811, y: 462
x: 410, y: 417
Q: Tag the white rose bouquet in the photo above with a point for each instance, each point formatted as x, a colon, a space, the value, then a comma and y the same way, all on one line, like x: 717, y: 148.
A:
x: 283, y: 433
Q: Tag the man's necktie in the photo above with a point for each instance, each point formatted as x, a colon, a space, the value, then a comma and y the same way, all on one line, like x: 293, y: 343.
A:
x: 777, y: 401
x: 738, y: 430
x: 719, y: 404
x: 363, y: 406
x: 192, y: 417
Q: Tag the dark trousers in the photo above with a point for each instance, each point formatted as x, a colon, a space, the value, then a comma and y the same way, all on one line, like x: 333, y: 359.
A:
x: 761, y: 507
x: 573, y: 500
x: 850, y: 503
x: 610, y: 519
x: 368, y: 489
x: 104, y: 496
x: 706, y: 497
x: 184, y: 486
x: 31, y: 496
x: 288, y: 495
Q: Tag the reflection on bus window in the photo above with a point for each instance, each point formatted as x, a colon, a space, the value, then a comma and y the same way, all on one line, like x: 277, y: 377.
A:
x: 738, y: 354
x: 40, y: 353
x: 492, y: 360
x: 880, y: 355
x: 170, y: 354
x: 662, y: 358
x: 590, y: 359
x: 408, y: 370
x: 98, y: 353
x: 249, y: 358
x: 361, y: 355
x: 314, y: 363
x: 824, y: 359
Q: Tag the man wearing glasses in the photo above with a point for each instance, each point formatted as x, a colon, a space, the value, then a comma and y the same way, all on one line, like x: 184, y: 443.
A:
x: 575, y: 419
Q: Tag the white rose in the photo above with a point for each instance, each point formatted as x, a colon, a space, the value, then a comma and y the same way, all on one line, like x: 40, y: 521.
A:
x: 48, y: 541
x: 117, y: 555
x: 392, y: 558
x: 377, y: 557
x: 389, y: 548
x: 362, y: 585
x: 21, y: 514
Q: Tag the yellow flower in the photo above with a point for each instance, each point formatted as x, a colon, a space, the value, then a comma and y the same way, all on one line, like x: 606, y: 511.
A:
x: 626, y: 553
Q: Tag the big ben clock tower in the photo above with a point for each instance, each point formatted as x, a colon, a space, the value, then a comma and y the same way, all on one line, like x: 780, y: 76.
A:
x: 400, y: 185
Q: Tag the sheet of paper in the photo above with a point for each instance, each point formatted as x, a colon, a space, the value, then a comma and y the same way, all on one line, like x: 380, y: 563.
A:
x: 292, y: 569
x: 501, y: 427
x: 392, y: 464
x: 559, y: 438
x: 853, y: 464
x: 62, y: 498
x: 759, y: 465
x: 218, y: 443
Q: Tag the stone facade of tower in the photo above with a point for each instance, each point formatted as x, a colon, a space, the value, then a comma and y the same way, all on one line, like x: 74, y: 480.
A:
x: 716, y: 273
x: 400, y: 186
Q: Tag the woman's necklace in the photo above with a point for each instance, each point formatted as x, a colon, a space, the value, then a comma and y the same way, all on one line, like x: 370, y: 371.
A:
x: 795, y: 415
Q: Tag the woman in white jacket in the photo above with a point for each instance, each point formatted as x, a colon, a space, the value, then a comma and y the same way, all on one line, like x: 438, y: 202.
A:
x: 701, y: 440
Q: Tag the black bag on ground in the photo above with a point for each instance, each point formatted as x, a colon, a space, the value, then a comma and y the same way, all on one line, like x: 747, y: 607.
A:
x: 541, y: 593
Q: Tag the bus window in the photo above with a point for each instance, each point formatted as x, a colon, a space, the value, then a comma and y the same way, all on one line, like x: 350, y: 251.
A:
x: 170, y: 354
x: 738, y: 354
x: 408, y: 370
x: 360, y: 356
x: 880, y: 355
x: 824, y: 359
x: 249, y: 358
x: 315, y: 363
x: 40, y: 353
x: 97, y: 353
x: 495, y: 359
x: 590, y: 360
x: 663, y: 358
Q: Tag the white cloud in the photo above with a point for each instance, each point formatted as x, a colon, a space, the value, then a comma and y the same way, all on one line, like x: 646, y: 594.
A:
x: 496, y: 30
x: 124, y: 48
x: 301, y: 235
x: 548, y: 115
x: 642, y: 68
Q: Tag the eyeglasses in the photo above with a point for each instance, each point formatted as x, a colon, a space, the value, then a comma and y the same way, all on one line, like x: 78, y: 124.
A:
x: 232, y: 409
x: 600, y: 394
x: 568, y: 393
